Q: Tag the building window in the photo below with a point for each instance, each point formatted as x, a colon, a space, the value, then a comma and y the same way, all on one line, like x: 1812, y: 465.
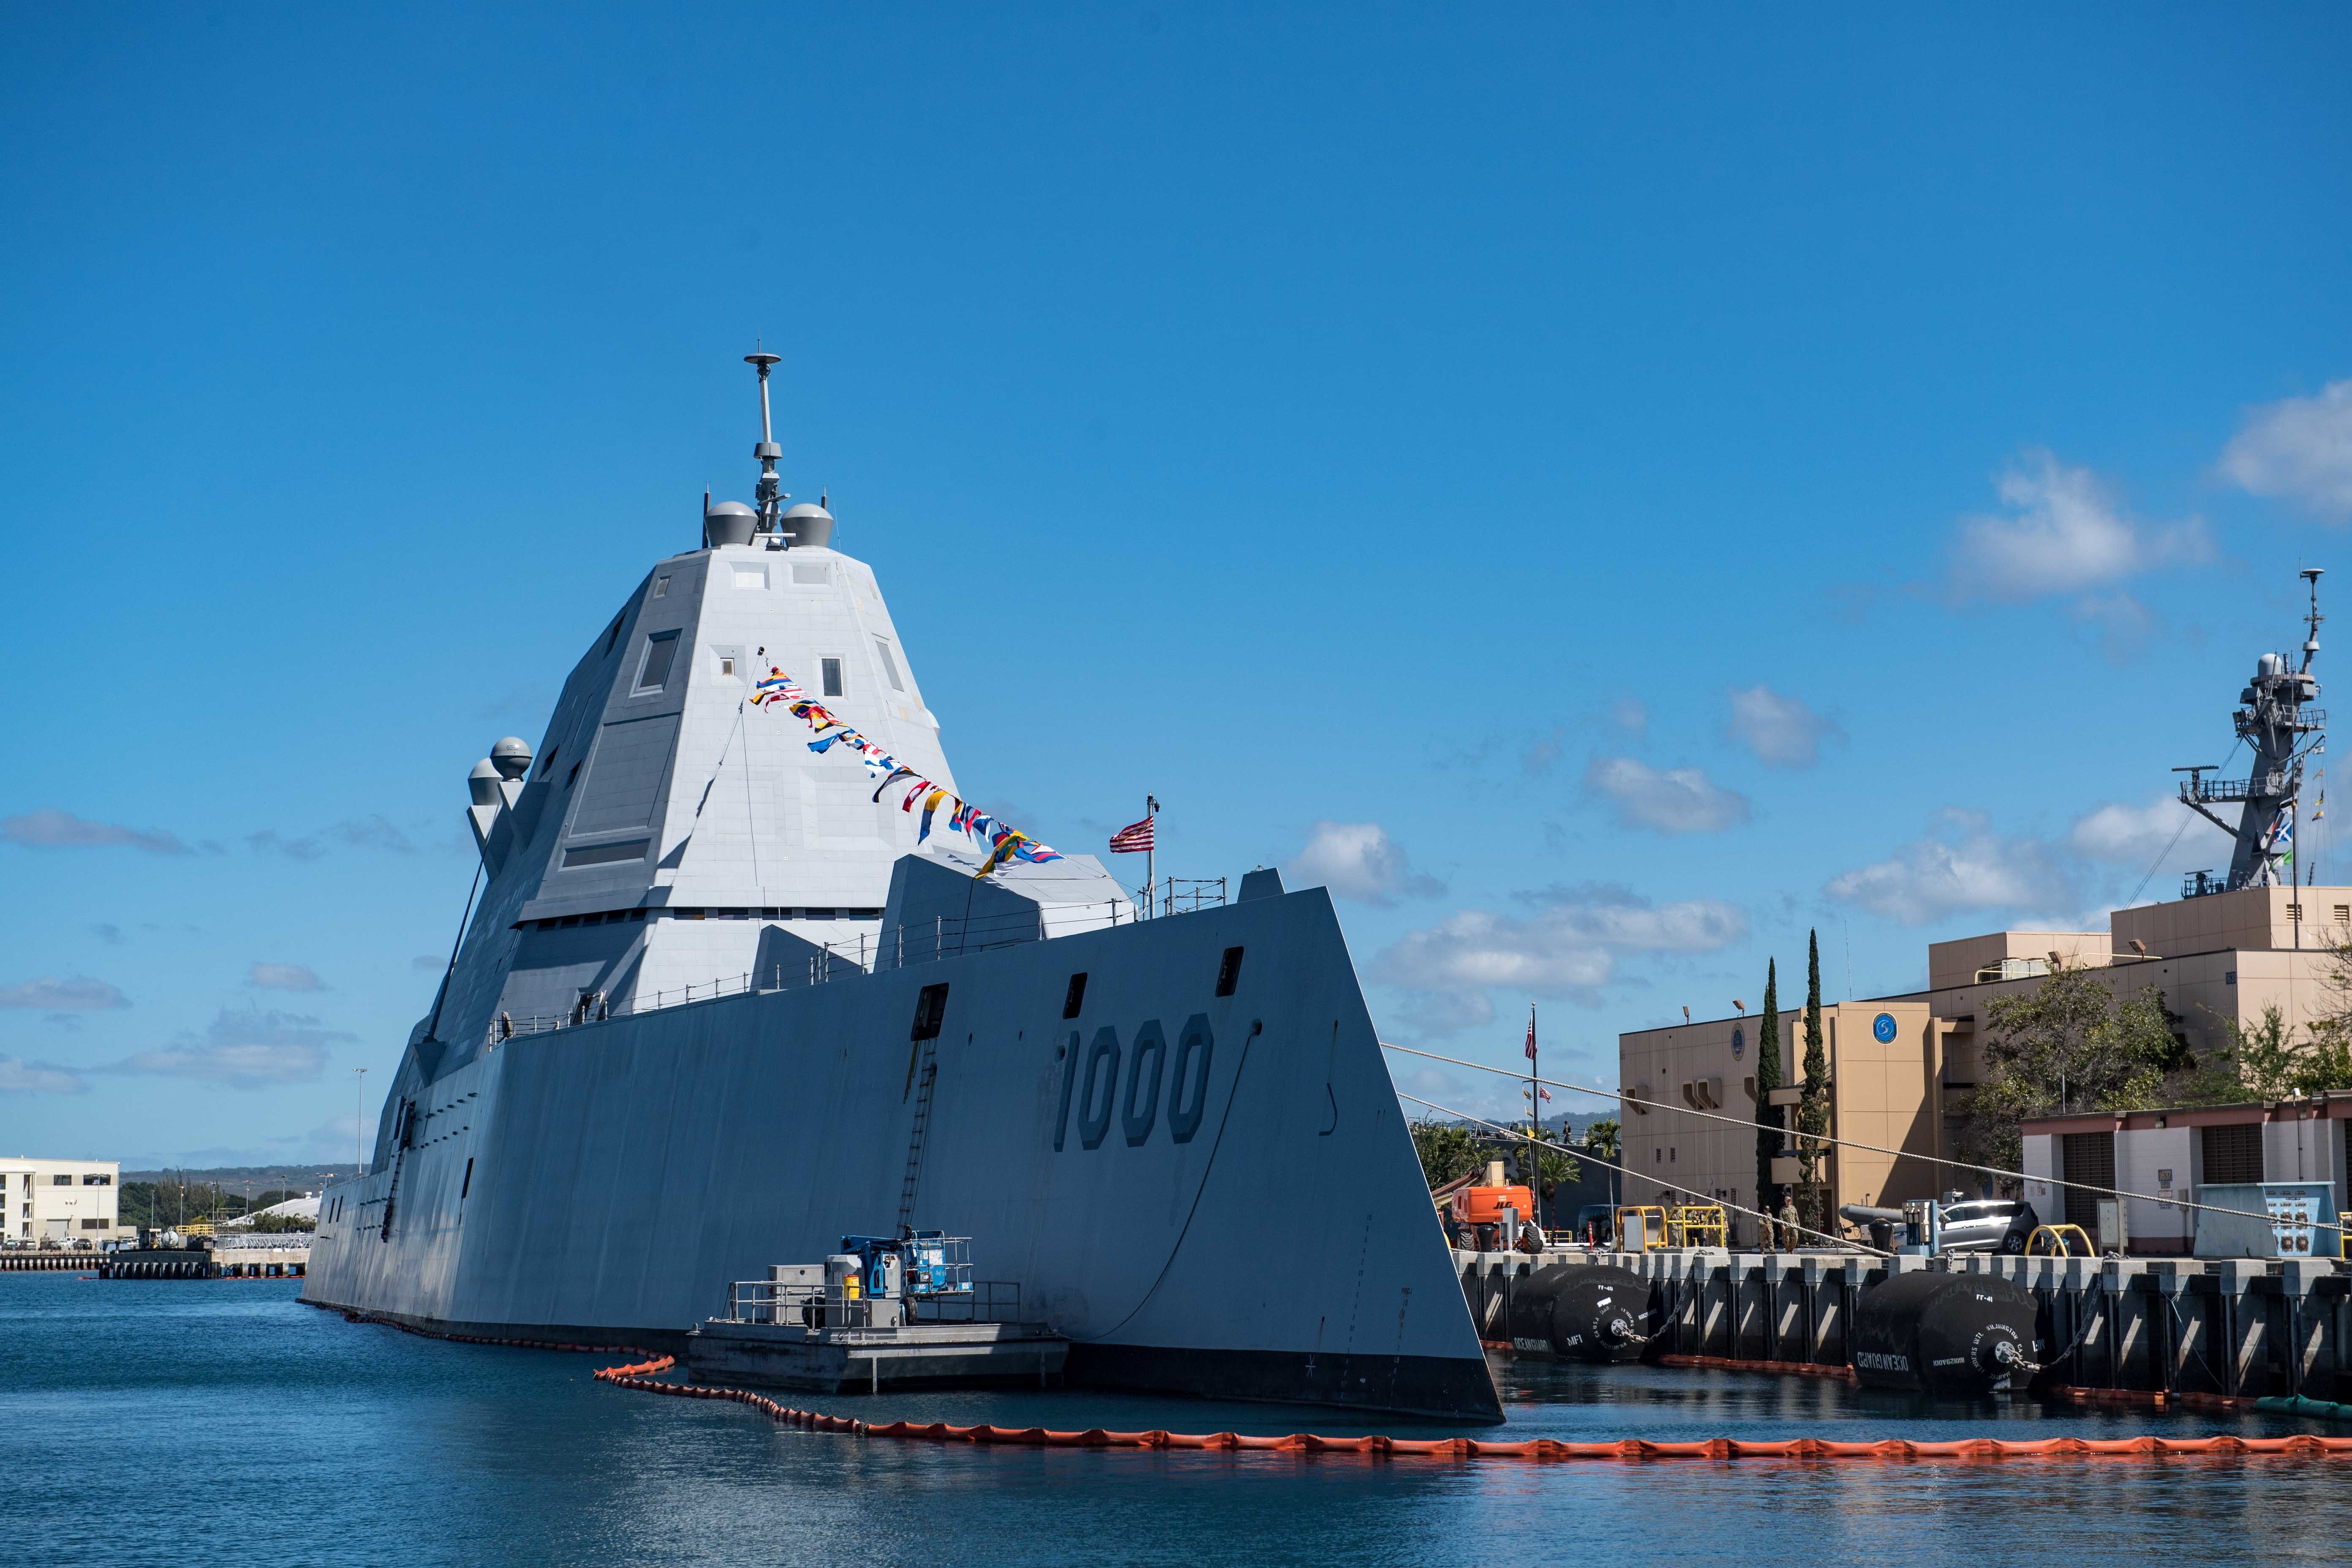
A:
x: 889, y: 665
x: 93, y: 1225
x: 61, y: 1181
x: 2343, y: 914
x: 2294, y: 911
x: 97, y: 1181
x: 832, y: 670
x: 661, y: 649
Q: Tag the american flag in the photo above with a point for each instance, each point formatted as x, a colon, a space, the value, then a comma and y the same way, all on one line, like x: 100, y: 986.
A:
x: 1132, y: 840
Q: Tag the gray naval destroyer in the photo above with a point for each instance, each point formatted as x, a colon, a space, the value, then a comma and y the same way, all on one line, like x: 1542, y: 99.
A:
x: 717, y: 1006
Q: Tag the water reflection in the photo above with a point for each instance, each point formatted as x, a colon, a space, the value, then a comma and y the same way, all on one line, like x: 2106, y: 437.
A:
x: 195, y: 1419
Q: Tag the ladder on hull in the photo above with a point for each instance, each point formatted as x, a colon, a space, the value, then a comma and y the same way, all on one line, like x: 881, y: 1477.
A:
x: 928, y: 1074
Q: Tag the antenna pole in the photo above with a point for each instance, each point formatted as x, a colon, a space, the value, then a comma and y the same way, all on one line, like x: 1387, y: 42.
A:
x: 2311, y: 642
x: 770, y: 494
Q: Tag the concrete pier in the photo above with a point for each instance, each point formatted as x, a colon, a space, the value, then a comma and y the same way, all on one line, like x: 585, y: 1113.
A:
x: 2238, y: 1327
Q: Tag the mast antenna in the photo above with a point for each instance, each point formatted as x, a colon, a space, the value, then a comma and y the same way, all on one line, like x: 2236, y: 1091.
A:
x: 2311, y: 642
x: 770, y: 494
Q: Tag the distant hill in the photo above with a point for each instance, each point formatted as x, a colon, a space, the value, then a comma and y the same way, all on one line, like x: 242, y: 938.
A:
x: 258, y: 1178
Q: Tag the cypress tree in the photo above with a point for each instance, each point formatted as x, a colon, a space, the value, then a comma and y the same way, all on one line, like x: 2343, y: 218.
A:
x: 1814, y: 1111
x: 1770, y: 1125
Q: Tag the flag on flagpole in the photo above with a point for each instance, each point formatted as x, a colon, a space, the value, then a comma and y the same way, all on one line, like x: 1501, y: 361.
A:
x: 1135, y: 838
x: 1532, y: 1034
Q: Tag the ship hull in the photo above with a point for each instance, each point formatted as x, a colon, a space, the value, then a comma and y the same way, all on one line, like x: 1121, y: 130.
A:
x: 1207, y: 1194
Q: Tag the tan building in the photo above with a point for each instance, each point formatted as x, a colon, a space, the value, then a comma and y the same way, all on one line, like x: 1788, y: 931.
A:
x: 1898, y: 1063
x: 61, y: 1201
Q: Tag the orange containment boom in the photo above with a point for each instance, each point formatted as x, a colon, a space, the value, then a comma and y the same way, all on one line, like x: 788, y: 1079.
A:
x: 1541, y: 1448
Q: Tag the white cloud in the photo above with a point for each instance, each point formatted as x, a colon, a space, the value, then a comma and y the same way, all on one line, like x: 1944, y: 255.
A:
x: 78, y: 993
x: 37, y: 1077
x: 1359, y: 860
x: 2135, y: 836
x: 2062, y: 533
x: 1629, y: 714
x: 1782, y: 731
x: 2298, y: 449
x: 428, y: 960
x: 63, y: 830
x: 244, y: 1050
x: 285, y: 977
x: 1670, y: 800
x: 1569, y: 947
x: 1966, y: 867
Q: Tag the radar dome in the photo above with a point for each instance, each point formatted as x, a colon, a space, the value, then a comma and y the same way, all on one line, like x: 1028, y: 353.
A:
x: 729, y: 522
x: 809, y: 525
x: 483, y: 782
x: 511, y: 757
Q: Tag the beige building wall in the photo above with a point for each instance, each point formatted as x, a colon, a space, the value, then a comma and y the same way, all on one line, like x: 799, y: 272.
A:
x: 2222, y: 957
x: 59, y: 1200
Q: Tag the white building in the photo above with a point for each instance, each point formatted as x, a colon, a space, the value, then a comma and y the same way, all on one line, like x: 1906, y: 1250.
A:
x: 59, y: 1200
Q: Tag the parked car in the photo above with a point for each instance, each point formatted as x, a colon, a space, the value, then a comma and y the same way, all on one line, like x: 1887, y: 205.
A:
x: 1989, y: 1224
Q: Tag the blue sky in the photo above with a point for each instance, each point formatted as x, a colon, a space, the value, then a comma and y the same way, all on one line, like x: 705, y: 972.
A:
x: 1607, y: 492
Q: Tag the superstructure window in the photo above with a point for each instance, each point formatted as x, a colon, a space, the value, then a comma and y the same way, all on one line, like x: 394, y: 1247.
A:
x: 889, y: 665
x: 726, y: 667
x: 661, y: 649
x: 1076, y: 997
x: 832, y: 671
x: 661, y: 587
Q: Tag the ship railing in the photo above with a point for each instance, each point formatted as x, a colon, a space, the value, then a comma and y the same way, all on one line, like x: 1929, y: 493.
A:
x: 770, y: 1302
x: 986, y: 1301
x: 898, y: 946
x: 1180, y: 896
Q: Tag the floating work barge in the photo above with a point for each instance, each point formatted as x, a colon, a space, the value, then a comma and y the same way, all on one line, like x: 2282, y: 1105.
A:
x: 899, y: 1312
x: 2136, y: 1326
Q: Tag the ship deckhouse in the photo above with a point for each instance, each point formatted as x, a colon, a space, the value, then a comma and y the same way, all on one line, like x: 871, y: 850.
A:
x: 667, y: 833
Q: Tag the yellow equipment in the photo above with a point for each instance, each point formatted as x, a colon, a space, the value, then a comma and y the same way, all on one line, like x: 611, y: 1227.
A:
x: 1645, y: 1233
x: 1692, y: 1224
x: 2062, y: 1239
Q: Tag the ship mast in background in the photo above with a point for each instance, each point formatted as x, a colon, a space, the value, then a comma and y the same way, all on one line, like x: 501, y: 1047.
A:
x: 2273, y: 717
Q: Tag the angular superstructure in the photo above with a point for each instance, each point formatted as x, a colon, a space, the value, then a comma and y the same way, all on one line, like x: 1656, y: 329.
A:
x: 717, y: 1006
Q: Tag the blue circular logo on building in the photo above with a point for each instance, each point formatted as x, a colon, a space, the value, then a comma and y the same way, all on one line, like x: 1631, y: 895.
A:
x: 1738, y: 1042
x: 1883, y: 1027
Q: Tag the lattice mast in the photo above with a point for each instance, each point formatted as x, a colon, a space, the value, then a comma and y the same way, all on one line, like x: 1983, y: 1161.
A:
x: 2276, y: 718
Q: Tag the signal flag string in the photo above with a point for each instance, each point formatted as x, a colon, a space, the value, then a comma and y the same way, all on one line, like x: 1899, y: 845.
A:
x: 1720, y: 1202
x: 2182, y: 1204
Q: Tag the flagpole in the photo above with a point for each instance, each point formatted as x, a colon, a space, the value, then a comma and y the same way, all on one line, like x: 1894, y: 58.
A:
x: 1150, y: 854
x: 1535, y: 1119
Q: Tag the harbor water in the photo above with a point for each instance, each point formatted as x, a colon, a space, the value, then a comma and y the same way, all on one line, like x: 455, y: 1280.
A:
x: 157, y: 1421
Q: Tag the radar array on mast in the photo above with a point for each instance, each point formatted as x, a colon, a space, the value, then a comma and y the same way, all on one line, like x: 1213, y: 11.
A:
x: 2276, y: 719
